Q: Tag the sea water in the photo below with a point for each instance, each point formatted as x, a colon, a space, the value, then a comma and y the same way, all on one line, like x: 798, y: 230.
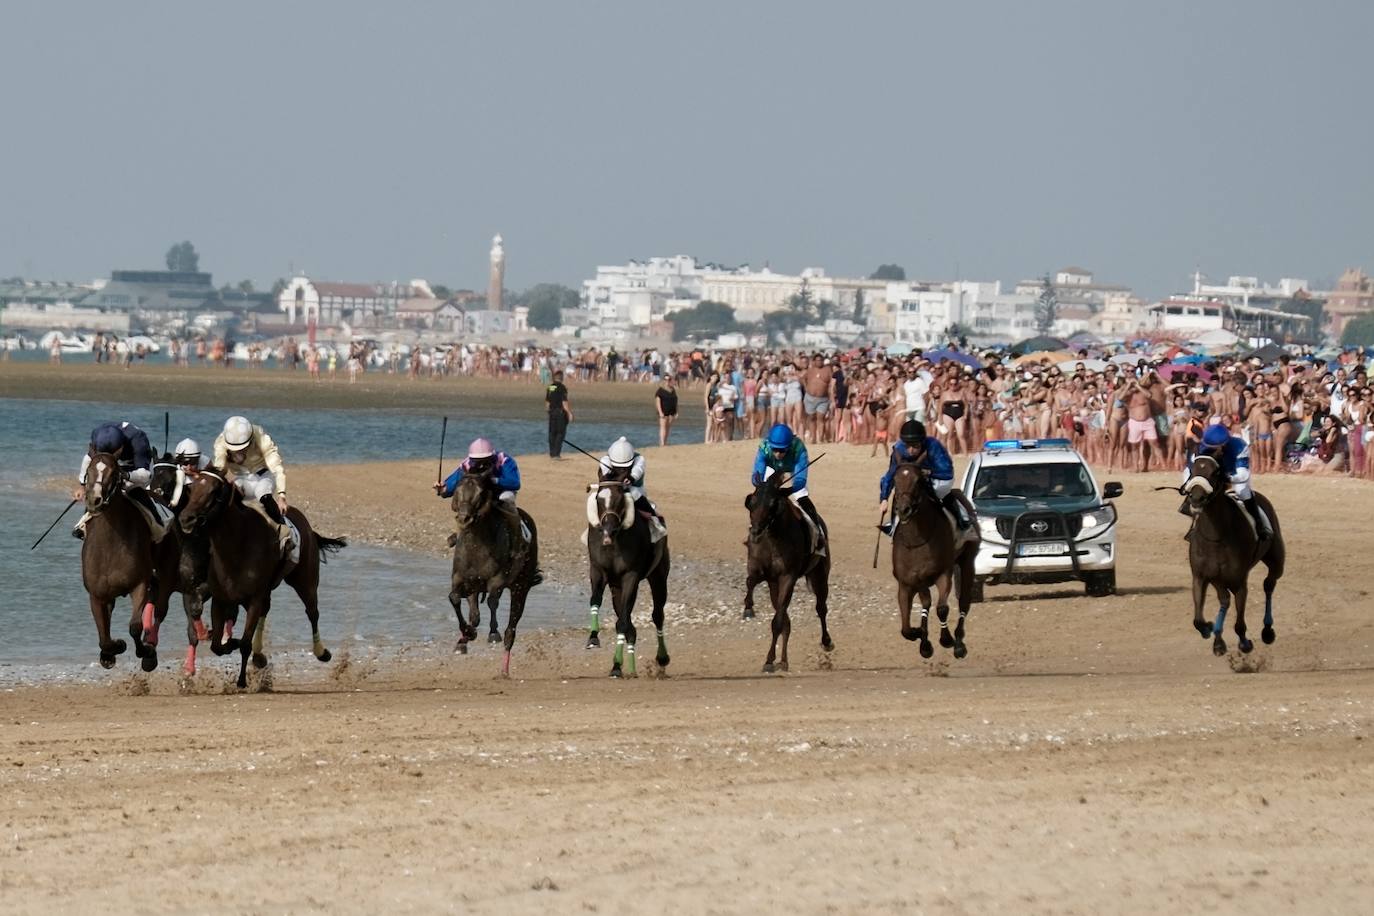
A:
x: 369, y: 596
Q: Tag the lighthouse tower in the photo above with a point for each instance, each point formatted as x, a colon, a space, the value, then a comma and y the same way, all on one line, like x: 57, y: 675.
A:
x: 496, y: 283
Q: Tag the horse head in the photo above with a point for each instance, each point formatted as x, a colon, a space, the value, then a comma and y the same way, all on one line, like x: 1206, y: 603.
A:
x: 613, y: 508
x: 207, y: 493
x: 472, y: 500
x: 1204, y: 482
x: 163, y: 482
x: 105, y: 480
x: 911, y: 489
x: 763, y: 505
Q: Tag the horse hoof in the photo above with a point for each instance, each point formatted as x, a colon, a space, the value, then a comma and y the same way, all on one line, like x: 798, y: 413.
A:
x: 593, y: 641
x: 141, y: 649
x: 1268, y: 636
x: 615, y: 672
x: 1203, y: 627
x: 259, y: 660
x: 911, y: 634
x: 461, y: 648
x: 662, y: 660
x: 782, y: 666
x: 748, y: 614
x: 1247, y: 646
x: 149, y: 662
x: 927, y: 650
x: 241, y: 683
x: 325, y: 656
x: 1218, y: 646
x: 827, y: 644
x: 768, y: 668
x: 946, y: 641
x: 960, y: 650
x: 107, y: 660
x: 493, y: 637
x: 119, y: 647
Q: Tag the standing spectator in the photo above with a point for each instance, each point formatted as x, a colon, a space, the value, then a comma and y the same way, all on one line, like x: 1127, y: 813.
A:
x: 726, y: 396
x: 818, y: 383
x: 665, y: 402
x: 55, y: 351
x: 560, y: 414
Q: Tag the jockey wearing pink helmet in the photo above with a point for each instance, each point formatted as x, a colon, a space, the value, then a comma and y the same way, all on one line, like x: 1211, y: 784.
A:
x: 484, y: 461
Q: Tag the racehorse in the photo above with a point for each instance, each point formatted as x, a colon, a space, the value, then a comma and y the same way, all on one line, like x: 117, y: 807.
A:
x: 118, y: 557
x: 485, y: 562
x: 246, y: 565
x: 780, y: 553
x: 1222, y: 549
x: 621, y: 552
x: 926, y: 552
x: 193, y: 570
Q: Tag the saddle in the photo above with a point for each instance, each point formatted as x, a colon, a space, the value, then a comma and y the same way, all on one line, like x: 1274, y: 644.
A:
x: 158, y: 516
x: 814, y: 532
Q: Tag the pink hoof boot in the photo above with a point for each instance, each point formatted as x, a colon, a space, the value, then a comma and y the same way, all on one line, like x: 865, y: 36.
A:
x: 228, y: 631
x: 505, y: 665
x: 188, y: 667
x: 149, y: 625
x: 201, y: 632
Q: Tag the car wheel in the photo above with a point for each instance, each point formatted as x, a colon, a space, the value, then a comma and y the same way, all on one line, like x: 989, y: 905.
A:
x: 1100, y: 584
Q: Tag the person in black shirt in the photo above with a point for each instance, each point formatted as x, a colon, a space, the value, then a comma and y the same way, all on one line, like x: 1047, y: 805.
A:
x: 665, y: 402
x: 560, y: 414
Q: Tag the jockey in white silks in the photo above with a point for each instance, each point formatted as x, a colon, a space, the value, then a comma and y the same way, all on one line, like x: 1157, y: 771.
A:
x: 622, y: 462
x: 249, y: 456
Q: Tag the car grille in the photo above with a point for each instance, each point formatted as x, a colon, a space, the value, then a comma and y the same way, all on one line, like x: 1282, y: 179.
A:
x: 1041, y: 526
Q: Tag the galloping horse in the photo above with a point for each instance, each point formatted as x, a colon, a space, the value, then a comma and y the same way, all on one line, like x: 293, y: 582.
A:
x: 926, y: 552
x: 118, y: 557
x: 1222, y: 549
x: 246, y: 565
x: 622, y: 553
x: 193, y: 571
x: 485, y: 562
x: 780, y: 554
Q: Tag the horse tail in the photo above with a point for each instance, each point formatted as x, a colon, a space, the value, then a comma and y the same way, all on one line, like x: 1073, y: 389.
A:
x: 329, y: 545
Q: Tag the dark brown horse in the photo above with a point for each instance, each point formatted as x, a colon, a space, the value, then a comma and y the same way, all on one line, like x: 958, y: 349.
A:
x: 925, y: 552
x: 780, y: 554
x: 1222, y: 549
x: 486, y: 561
x: 118, y: 557
x: 621, y: 553
x: 246, y: 565
x: 193, y: 578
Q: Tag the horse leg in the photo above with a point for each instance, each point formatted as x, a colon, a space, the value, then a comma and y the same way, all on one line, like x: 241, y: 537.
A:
x: 781, y: 594
x: 467, y: 630
x: 309, y: 593
x: 819, y: 580
x: 493, y: 602
x: 624, y: 622
x: 618, y: 659
x: 658, y: 591
x: 1245, y: 645
x: 193, y: 606
x: 257, y: 613
x: 942, y: 585
x: 904, y: 595
x: 143, y: 625
x: 1218, y: 643
x: 1200, y: 623
x: 965, y: 586
x: 751, y: 581
x: 259, y: 638
x: 598, y: 584
x: 101, y: 610
x: 1273, y: 562
x: 517, y: 609
x: 923, y: 631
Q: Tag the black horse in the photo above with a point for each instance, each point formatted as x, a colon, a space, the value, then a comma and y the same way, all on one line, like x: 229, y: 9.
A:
x: 926, y: 552
x: 1222, y: 549
x: 193, y: 580
x: 622, y: 553
x: 780, y: 553
x: 486, y: 561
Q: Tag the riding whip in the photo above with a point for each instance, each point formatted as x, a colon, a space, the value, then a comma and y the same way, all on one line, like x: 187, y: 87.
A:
x: 166, y: 431
x: 878, y: 543
x: 53, y: 525
x: 808, y: 464
x: 443, y: 432
x: 582, y: 450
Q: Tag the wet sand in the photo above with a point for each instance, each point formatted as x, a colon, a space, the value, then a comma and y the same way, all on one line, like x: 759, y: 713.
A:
x: 1090, y: 755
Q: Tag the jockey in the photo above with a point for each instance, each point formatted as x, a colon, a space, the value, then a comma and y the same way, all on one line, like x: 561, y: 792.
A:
x: 188, y: 461
x: 131, y: 449
x: 1233, y: 454
x: 928, y: 454
x: 500, y: 469
x: 622, y: 462
x: 782, y: 452
x: 248, y: 454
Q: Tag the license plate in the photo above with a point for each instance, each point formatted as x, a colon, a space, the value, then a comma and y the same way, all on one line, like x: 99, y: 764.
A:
x: 1040, y: 550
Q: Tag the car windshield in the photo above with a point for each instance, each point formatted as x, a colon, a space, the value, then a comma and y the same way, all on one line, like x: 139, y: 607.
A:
x: 1034, y: 481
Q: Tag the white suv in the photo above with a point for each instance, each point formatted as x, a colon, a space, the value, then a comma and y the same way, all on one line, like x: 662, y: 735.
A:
x: 1041, y: 516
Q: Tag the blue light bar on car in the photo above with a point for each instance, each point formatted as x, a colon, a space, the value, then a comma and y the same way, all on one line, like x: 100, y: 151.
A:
x: 998, y: 445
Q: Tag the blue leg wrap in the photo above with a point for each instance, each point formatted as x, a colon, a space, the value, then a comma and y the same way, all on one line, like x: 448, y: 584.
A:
x: 1220, y: 622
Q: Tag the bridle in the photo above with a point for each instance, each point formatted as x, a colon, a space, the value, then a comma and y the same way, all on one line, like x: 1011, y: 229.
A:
x: 611, y: 508
x: 219, y: 498
x: 479, y: 507
x: 769, y: 495
x: 906, y: 499
x: 1208, y: 483
x: 102, y: 491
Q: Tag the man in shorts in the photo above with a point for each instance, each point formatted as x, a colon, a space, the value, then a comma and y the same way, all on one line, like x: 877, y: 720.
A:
x: 818, y: 384
x: 1140, y: 424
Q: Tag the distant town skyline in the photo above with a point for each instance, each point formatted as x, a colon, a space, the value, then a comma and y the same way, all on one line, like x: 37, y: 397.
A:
x: 993, y: 141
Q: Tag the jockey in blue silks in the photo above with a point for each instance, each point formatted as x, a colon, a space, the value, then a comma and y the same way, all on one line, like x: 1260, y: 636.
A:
x: 501, y: 472
x: 131, y: 449
x: 1233, y: 454
x: 782, y: 452
x: 930, y: 455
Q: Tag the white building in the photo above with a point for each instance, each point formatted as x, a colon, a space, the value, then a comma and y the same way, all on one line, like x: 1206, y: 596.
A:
x: 328, y: 304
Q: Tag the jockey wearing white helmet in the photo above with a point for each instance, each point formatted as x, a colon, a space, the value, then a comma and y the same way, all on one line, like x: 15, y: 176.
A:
x: 248, y: 455
x: 622, y: 462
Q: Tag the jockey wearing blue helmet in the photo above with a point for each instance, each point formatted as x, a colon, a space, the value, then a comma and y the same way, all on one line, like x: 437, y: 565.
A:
x: 783, y: 452
x: 1233, y: 454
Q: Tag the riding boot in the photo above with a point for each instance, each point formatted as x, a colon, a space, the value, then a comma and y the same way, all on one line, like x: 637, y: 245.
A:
x: 658, y: 529
x: 1262, y: 528
x: 273, y: 513
x: 956, y: 508
x: 809, y: 508
x: 144, y: 501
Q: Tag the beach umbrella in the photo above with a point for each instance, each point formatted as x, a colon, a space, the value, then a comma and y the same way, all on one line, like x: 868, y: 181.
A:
x: 1040, y: 344
x: 900, y: 348
x: 954, y: 356
x: 1091, y: 365
x: 1169, y: 370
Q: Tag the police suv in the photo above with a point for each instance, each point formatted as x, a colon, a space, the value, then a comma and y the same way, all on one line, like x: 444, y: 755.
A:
x: 1041, y: 517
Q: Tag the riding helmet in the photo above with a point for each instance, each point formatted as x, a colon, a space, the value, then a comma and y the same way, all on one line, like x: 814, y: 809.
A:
x: 108, y: 439
x: 480, y: 448
x: 187, y: 450
x: 238, y: 432
x: 621, y: 454
x: 780, y: 437
x: 913, y: 432
x: 1215, y: 436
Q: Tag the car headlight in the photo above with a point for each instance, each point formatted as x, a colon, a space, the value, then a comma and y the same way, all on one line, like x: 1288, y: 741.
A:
x: 987, y: 527
x: 1096, y: 521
